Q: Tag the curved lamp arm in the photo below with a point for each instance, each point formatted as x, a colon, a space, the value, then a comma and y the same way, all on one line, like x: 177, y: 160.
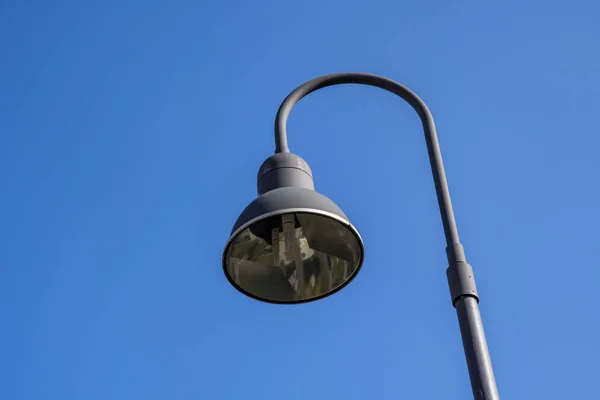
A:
x: 460, y: 274
x: 455, y: 251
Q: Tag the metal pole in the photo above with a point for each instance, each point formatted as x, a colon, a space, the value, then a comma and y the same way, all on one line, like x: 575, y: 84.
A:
x: 460, y: 274
x: 479, y: 363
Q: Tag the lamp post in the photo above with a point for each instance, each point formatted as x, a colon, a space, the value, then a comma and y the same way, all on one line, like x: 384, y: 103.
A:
x: 293, y: 245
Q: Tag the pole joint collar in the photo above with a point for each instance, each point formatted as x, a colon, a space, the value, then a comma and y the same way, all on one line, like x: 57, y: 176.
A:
x: 461, y: 281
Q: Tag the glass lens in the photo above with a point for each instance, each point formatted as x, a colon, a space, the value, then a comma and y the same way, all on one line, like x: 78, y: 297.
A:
x: 293, y: 257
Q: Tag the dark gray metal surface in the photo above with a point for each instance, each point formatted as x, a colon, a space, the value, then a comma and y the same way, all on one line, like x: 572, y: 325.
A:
x: 461, y: 279
x: 287, y: 198
x: 461, y: 282
x: 281, y: 170
x: 479, y: 363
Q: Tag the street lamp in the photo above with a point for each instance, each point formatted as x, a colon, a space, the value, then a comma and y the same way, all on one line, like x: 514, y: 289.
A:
x: 294, y: 245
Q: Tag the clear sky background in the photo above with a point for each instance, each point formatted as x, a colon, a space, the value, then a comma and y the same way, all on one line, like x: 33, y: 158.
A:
x: 130, y: 137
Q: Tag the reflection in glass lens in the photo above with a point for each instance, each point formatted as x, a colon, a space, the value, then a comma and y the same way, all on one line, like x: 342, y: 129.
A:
x: 293, y: 257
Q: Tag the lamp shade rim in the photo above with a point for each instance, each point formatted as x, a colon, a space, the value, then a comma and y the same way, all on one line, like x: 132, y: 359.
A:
x: 333, y: 216
x: 283, y: 198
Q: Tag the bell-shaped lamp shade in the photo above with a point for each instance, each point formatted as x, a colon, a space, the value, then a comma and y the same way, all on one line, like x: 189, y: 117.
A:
x: 292, y: 245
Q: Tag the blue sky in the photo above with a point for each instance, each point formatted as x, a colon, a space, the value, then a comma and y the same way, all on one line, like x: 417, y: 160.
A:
x: 130, y: 137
